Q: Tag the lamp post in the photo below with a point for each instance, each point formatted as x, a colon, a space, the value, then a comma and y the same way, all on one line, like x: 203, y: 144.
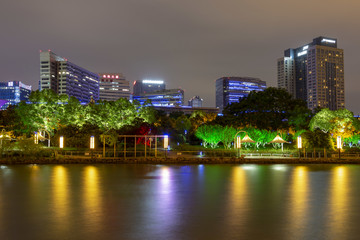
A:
x: 299, y: 145
x: 238, y: 145
x: 338, y: 144
x: 238, y: 141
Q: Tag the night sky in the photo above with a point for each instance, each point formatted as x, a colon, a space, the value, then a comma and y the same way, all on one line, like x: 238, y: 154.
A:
x: 187, y: 43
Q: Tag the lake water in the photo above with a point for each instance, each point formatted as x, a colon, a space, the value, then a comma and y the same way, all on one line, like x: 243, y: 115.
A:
x: 179, y: 202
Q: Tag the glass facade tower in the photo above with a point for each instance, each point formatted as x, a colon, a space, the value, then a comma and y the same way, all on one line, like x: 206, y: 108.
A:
x: 231, y: 89
x: 13, y: 92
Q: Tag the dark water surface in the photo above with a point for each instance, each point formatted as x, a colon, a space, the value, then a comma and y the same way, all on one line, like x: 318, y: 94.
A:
x: 180, y: 202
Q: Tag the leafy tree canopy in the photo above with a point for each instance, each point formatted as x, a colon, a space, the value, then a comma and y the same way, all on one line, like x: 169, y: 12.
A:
x: 270, y: 109
x: 339, y: 123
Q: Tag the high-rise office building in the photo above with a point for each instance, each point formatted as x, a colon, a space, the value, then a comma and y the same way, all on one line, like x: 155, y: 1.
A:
x: 195, y: 102
x: 64, y: 77
x: 13, y: 92
x: 113, y: 86
x: 314, y: 72
x: 148, y: 86
x: 231, y: 89
x: 167, y: 97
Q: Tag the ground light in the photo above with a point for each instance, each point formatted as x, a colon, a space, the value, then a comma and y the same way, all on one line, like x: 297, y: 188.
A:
x: 92, y: 142
x: 166, y: 141
x: 92, y: 145
x: 338, y: 144
x: 36, y: 138
x: 61, y: 140
x: 299, y: 144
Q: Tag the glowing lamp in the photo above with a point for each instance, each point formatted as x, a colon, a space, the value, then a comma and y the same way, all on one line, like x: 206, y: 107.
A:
x: 92, y: 142
x: 299, y: 142
x: 166, y: 141
x: 338, y: 142
x: 36, y: 138
x: 61, y: 142
x: 238, y: 142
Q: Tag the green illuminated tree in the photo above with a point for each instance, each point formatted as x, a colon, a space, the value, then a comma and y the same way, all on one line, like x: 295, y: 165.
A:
x: 353, y: 141
x: 74, y: 113
x: 228, y: 136
x: 210, y: 134
x: 117, y: 114
x: 338, y: 123
x: 44, y: 112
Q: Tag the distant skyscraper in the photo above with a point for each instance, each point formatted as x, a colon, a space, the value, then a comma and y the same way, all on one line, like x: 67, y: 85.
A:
x: 13, y: 92
x: 168, y: 97
x: 148, y: 86
x: 314, y: 72
x: 113, y: 86
x: 195, y: 101
x: 231, y: 89
x: 64, y: 77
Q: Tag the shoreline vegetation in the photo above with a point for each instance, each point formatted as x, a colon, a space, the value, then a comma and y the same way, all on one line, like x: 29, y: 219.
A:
x: 268, y: 127
x: 177, y: 160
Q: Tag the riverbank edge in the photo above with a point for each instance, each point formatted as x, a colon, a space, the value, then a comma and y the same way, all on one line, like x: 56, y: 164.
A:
x: 178, y: 160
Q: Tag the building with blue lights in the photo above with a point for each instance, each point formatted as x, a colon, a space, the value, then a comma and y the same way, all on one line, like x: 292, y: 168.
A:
x: 148, y: 86
x: 64, y: 77
x: 314, y: 73
x: 168, y: 97
x: 13, y: 93
x: 231, y: 89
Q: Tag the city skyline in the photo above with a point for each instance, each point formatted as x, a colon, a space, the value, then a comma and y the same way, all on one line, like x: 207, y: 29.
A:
x: 196, y: 45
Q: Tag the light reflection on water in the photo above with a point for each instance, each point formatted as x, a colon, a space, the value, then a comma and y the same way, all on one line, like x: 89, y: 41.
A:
x: 339, y: 205
x: 60, y: 198
x: 91, y: 199
x: 299, y: 191
x: 180, y: 202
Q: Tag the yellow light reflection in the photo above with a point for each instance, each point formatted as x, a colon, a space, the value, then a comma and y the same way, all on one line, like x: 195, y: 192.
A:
x: 60, y: 193
x: 92, y: 198
x: 339, y: 200
x: 299, y: 203
x: 237, y: 197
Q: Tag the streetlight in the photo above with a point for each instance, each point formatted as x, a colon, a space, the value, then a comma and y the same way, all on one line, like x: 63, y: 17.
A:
x: 338, y: 144
x: 238, y: 140
x: 299, y: 144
